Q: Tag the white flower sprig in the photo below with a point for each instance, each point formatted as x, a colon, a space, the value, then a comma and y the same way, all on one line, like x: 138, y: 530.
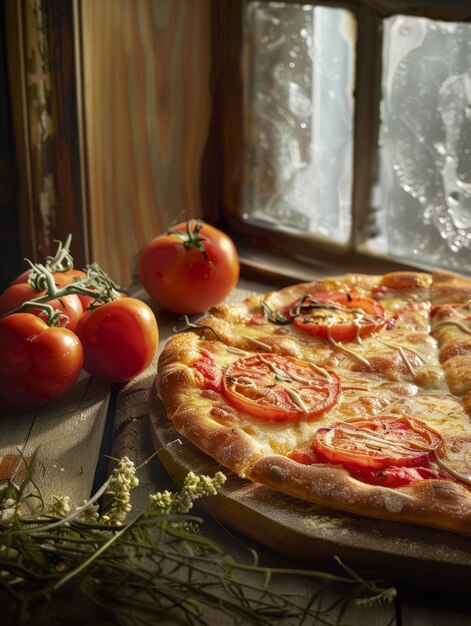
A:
x: 123, y: 479
x: 194, y: 487
x: 60, y: 506
x: 40, y: 562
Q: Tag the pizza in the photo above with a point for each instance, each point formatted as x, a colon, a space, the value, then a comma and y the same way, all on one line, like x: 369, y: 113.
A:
x: 352, y: 392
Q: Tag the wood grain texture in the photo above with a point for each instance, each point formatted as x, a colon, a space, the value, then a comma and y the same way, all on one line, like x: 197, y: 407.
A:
x: 44, y: 126
x: 436, y: 611
x: 66, y: 438
x: 147, y: 107
x: 133, y: 437
x: 313, y: 534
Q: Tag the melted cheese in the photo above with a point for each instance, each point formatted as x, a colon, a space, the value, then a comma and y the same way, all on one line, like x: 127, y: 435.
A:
x: 363, y: 394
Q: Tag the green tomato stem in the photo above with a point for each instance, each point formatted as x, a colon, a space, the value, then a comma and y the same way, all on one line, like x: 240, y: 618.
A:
x: 53, y: 315
x: 62, y: 261
x: 96, y: 284
x: 192, y: 238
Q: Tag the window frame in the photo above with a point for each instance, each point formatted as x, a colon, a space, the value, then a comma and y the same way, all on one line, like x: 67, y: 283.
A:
x: 218, y: 169
x: 231, y: 52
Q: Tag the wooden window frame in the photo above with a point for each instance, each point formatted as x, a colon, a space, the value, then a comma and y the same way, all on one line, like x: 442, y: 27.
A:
x: 369, y: 14
x: 221, y: 179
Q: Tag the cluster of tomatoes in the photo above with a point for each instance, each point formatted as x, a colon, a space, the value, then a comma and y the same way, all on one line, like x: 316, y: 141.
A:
x: 61, y: 321
x: 56, y: 320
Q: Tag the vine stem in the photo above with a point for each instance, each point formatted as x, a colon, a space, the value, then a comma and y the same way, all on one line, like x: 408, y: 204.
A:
x: 75, y: 572
x: 102, y: 289
x: 77, y: 512
x: 56, y: 263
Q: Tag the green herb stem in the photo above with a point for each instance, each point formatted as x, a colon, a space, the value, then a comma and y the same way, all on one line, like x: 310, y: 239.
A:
x: 158, y: 564
x: 92, y: 558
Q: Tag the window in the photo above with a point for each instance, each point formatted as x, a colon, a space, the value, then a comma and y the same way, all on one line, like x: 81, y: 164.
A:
x: 300, y: 115
x: 424, y: 189
x: 400, y: 188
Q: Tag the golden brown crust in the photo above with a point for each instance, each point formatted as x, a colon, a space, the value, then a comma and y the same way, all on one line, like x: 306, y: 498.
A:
x: 406, y: 280
x: 207, y: 419
x: 365, y: 283
x: 448, y: 287
x: 437, y: 503
x: 452, y: 329
x: 191, y: 407
x: 458, y: 374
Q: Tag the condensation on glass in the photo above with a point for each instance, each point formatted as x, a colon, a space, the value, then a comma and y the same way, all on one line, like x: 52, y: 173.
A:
x: 299, y: 118
x: 423, y: 196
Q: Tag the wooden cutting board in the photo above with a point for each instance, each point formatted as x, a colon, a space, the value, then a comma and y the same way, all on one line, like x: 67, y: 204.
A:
x: 423, y: 557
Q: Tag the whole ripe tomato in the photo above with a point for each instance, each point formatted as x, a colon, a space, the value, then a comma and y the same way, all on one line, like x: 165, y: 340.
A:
x: 189, y: 269
x: 16, y: 294
x: 119, y: 339
x: 38, y: 363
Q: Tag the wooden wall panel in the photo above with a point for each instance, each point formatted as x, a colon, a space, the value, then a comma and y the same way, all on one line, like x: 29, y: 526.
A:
x: 146, y: 80
x: 43, y: 100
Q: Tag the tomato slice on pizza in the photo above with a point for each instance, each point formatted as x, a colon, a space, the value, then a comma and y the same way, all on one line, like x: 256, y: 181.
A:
x: 279, y: 388
x: 338, y: 316
x: 377, y: 443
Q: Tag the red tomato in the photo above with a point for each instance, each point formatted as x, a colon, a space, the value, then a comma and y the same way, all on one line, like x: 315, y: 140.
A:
x: 119, y: 339
x: 377, y: 442
x: 191, y: 272
x: 38, y: 363
x: 15, y: 295
x: 65, y: 278
x: 343, y: 318
x: 280, y: 388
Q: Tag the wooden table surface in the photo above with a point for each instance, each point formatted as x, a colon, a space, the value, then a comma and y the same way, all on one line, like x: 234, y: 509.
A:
x: 75, y: 437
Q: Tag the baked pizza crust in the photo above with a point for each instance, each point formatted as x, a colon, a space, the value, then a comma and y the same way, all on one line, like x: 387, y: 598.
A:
x: 448, y: 287
x: 207, y: 419
x: 436, y: 503
x: 193, y: 409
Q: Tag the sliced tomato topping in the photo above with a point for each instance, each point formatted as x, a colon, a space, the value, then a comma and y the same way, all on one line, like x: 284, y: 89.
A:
x: 391, y: 476
x: 304, y: 455
x: 377, y: 443
x: 400, y: 476
x: 211, y: 372
x: 279, y: 388
x: 335, y: 315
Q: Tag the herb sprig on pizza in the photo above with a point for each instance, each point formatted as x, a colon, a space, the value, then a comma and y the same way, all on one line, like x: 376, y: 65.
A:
x: 352, y: 392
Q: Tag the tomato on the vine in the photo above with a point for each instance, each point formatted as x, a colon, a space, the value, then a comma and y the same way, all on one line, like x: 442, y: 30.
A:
x: 16, y: 294
x: 336, y: 315
x: 60, y: 279
x: 38, y: 363
x: 279, y: 388
x: 119, y: 339
x: 190, y: 268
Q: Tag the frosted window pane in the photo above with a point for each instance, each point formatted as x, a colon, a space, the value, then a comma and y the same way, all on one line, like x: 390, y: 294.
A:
x: 299, y: 116
x: 424, y: 195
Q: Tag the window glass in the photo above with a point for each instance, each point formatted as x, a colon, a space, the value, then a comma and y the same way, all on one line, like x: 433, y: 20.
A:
x: 423, y: 198
x: 299, y: 118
